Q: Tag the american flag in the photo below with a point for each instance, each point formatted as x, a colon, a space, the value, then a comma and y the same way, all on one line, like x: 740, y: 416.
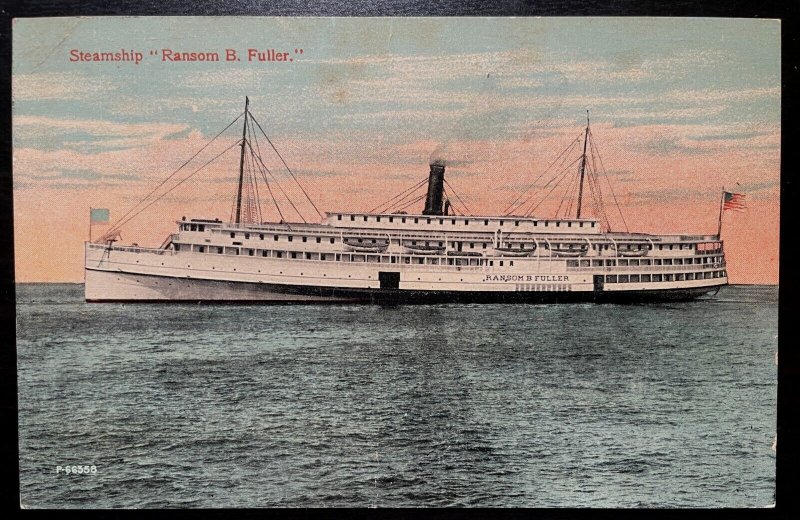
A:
x: 734, y: 201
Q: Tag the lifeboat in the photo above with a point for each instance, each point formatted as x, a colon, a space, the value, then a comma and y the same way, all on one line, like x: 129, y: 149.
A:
x: 463, y: 253
x: 511, y: 251
x: 632, y: 252
x: 569, y: 253
x: 423, y: 249
x: 366, y: 245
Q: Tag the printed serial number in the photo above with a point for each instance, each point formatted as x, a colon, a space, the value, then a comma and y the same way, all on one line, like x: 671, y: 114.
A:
x: 79, y: 470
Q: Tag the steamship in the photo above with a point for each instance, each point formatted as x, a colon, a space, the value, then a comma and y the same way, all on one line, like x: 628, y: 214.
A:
x: 391, y: 255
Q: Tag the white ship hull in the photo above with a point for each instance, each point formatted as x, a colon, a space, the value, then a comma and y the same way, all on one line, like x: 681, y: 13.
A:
x: 133, y: 275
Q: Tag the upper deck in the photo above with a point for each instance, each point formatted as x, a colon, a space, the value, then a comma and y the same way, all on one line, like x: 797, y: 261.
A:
x: 467, y: 230
x: 417, y: 222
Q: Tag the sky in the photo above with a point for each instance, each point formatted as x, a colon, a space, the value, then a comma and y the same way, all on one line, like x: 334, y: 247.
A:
x: 679, y: 108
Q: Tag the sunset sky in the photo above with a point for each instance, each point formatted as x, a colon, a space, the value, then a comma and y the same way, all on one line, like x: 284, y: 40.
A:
x: 679, y: 108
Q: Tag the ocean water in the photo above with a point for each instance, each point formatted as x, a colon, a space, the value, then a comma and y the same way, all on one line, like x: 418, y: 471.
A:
x: 661, y: 405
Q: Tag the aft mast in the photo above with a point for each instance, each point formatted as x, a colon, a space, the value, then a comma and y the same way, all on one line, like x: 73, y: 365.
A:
x: 241, y: 165
x: 721, y: 209
x: 583, y: 165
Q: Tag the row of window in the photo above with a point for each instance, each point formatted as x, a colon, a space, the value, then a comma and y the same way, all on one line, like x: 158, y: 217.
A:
x: 193, y: 227
x: 340, y: 257
x: 661, y: 247
x: 522, y: 245
x: 694, y: 260
x: 466, y: 222
x: 622, y: 262
x: 275, y: 238
x: 634, y: 278
x: 604, y: 247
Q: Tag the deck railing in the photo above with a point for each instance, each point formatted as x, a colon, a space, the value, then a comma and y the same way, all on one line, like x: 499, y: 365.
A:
x: 643, y: 268
x: 133, y: 249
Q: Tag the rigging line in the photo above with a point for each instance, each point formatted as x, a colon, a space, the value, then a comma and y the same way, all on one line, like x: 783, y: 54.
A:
x: 456, y: 211
x: 118, y: 224
x: 563, y: 153
x: 589, y: 188
x: 181, y: 182
x: 414, y: 187
x: 592, y: 193
x: 453, y: 190
x: 564, y: 176
x: 244, y: 214
x: 281, y: 188
x: 599, y: 194
x: 405, y: 197
x: 563, y: 172
x: 257, y: 152
x: 593, y: 200
x: 573, y: 196
x: 566, y: 195
x: 597, y: 188
x: 254, y: 180
x: 278, y: 185
x: 402, y: 199
x: 255, y: 185
x: 458, y: 208
x: 233, y: 207
x: 605, y: 174
x: 532, y: 201
x: 412, y: 202
x: 266, y: 180
x: 448, y: 196
x: 287, y: 166
x: 269, y: 188
x: 575, y: 193
x: 597, y: 181
x: 598, y: 209
x: 597, y: 197
x: 246, y: 199
x: 253, y: 175
x: 404, y: 202
x: 554, y: 177
x: 602, y: 199
x: 453, y: 193
x: 247, y: 168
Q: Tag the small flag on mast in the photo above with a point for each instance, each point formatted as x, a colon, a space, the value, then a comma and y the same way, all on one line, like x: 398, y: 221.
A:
x: 99, y: 215
x: 734, y: 201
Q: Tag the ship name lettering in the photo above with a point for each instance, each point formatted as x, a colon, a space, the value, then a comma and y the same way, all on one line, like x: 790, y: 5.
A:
x: 525, y: 278
x: 267, y: 55
x: 170, y: 55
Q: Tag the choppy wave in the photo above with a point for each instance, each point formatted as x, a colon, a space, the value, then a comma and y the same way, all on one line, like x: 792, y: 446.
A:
x: 449, y: 405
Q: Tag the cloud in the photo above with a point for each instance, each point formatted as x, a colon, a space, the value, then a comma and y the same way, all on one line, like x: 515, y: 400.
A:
x: 228, y: 77
x: 710, y: 95
x: 152, y: 160
x: 39, y: 86
x: 181, y: 106
x: 97, y: 127
x: 89, y: 134
x: 519, y: 68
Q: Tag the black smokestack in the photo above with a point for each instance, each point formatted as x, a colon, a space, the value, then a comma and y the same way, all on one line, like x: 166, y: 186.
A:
x: 433, y: 202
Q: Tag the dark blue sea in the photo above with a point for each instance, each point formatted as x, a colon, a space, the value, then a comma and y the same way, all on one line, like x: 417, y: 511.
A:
x: 190, y: 406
